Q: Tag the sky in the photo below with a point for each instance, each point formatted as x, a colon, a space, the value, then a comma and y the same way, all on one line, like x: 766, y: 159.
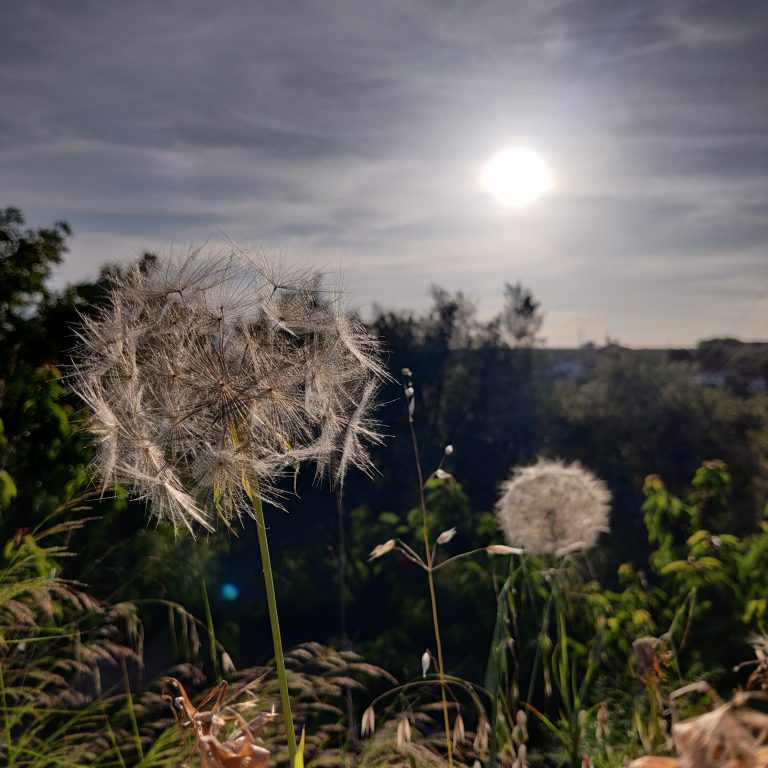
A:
x: 351, y: 135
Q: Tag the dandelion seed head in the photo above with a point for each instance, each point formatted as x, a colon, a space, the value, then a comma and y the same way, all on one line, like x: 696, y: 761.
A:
x: 207, y: 372
x: 553, y: 508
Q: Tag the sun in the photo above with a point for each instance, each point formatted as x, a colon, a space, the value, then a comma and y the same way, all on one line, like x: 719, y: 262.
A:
x: 516, y: 177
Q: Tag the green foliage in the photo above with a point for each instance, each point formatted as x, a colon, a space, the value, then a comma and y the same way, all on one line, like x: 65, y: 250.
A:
x: 57, y: 645
x: 26, y: 259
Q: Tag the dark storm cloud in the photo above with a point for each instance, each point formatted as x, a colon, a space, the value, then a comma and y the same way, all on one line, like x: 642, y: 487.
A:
x: 353, y: 132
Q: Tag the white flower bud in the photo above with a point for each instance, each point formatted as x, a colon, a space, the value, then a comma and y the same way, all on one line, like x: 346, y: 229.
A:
x: 368, y: 724
x: 446, y: 536
x: 426, y: 660
x: 459, y: 734
x: 227, y: 665
x: 503, y: 549
x: 403, y: 732
x: 382, y: 549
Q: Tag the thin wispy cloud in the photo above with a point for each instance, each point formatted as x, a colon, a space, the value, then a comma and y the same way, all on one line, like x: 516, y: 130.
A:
x: 352, y: 134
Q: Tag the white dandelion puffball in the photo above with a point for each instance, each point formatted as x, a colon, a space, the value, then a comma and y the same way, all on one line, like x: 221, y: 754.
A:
x: 553, y: 508
x: 211, y: 375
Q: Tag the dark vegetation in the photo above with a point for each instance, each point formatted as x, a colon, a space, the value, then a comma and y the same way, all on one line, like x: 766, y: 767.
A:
x: 491, y: 391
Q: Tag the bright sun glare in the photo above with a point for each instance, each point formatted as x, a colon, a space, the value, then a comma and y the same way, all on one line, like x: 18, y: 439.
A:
x: 517, y: 176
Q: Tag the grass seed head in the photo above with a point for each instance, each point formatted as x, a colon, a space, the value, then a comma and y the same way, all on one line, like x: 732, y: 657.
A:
x: 207, y: 372
x: 553, y: 508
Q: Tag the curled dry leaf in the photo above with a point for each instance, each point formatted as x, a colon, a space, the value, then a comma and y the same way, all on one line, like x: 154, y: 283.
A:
x: 240, y: 749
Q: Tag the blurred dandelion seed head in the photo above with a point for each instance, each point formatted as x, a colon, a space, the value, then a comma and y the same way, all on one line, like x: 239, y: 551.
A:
x: 207, y: 373
x: 553, y: 508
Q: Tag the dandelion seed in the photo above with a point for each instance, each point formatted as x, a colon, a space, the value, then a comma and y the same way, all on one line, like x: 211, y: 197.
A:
x: 446, y: 536
x: 426, y: 660
x: 553, y: 508
x: 204, y: 374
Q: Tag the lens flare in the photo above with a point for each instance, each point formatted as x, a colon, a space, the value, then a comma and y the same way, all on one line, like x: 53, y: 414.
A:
x: 229, y: 592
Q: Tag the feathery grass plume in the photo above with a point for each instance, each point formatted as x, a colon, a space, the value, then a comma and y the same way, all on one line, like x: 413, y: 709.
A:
x: 56, y: 641
x: 553, y: 508
x: 203, y: 370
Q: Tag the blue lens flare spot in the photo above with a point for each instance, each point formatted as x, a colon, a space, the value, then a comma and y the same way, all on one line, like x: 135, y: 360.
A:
x: 229, y: 592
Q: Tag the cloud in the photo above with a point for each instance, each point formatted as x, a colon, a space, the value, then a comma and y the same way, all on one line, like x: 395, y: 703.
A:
x: 352, y: 132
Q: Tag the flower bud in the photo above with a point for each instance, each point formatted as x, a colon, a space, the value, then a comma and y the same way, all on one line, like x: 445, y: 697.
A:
x: 446, y: 536
x: 426, y: 660
x: 368, y: 724
x: 382, y: 549
x: 459, y: 734
x: 403, y: 732
x: 227, y: 665
x: 503, y: 549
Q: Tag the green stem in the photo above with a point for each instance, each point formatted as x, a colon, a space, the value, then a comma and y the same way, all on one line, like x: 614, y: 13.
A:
x: 274, y: 622
x: 211, y: 631
x: 132, y: 711
x: 432, y: 594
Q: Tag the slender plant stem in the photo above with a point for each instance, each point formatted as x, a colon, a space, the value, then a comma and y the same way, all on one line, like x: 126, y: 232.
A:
x: 274, y: 622
x: 345, y: 644
x: 432, y: 594
x: 211, y: 631
x: 131, y: 710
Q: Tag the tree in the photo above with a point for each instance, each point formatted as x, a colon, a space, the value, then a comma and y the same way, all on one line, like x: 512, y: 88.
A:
x: 26, y: 259
x: 521, y: 318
